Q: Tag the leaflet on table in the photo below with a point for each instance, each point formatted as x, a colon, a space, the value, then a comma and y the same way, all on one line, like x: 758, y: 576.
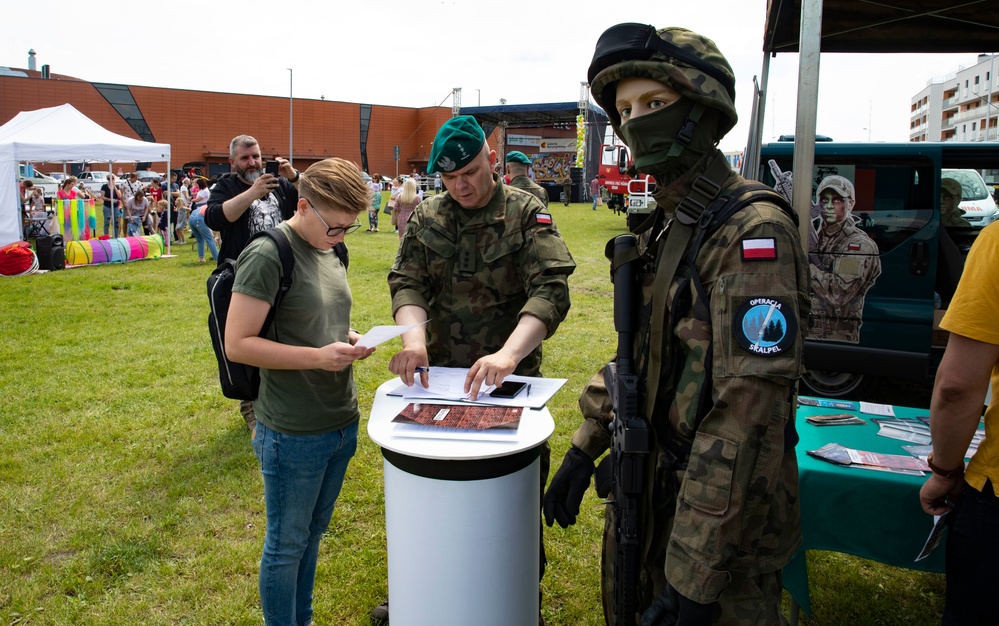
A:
x: 458, y: 421
x: 448, y: 383
x: 380, y: 334
x: 846, y: 405
x: 871, y: 408
x: 467, y: 416
x: 910, y: 430
x: 836, y: 419
x: 917, y: 431
x: 840, y: 455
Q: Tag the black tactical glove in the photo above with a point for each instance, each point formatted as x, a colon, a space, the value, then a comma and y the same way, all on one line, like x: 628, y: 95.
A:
x: 561, y: 502
x: 673, y: 609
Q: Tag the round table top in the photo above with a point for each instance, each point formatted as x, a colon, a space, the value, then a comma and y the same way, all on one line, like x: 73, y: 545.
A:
x: 536, y: 425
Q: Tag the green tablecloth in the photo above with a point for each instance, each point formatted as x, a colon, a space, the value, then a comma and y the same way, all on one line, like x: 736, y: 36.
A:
x: 866, y: 513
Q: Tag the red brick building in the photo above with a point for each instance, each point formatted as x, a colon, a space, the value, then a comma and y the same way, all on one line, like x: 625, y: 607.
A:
x: 198, y: 125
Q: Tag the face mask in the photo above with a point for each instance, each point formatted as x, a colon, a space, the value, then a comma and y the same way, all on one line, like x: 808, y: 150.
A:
x: 651, y: 137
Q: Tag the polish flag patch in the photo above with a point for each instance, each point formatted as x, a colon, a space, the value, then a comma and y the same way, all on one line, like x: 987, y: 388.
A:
x: 543, y: 218
x: 763, y: 249
x: 853, y: 247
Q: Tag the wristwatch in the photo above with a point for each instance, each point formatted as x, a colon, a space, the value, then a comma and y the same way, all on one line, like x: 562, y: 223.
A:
x: 957, y: 472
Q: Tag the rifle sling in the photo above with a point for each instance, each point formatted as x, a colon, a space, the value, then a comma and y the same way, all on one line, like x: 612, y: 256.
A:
x: 690, y: 214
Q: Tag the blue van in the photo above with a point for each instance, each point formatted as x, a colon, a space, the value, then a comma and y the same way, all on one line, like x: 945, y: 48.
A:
x: 887, y: 248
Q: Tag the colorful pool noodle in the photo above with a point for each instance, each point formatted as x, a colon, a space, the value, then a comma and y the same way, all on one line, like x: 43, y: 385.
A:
x: 120, y: 250
x: 76, y: 219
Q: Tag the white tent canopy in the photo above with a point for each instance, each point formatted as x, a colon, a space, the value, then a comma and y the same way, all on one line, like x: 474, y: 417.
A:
x: 59, y: 135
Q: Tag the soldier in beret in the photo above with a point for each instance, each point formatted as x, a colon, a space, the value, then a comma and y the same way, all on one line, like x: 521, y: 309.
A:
x: 717, y: 350
x: 485, y: 264
x: 517, y: 164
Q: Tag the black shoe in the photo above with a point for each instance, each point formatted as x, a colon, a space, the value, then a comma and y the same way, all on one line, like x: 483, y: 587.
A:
x: 380, y: 614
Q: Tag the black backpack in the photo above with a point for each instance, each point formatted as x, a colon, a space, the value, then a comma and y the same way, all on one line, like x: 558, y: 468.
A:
x: 240, y: 381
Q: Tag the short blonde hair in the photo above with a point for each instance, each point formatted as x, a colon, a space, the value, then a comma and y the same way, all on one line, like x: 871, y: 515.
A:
x: 335, y: 183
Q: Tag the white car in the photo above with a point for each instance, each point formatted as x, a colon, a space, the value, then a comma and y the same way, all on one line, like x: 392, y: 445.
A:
x: 979, y: 208
x: 93, y: 180
x: 47, y: 184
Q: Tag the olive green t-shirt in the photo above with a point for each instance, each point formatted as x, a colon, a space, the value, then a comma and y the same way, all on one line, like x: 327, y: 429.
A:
x: 315, y: 312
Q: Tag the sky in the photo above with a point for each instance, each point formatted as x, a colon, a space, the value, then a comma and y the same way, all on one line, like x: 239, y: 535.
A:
x: 413, y: 52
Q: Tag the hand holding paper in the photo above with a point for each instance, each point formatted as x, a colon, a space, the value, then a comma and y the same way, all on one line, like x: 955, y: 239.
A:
x: 380, y: 334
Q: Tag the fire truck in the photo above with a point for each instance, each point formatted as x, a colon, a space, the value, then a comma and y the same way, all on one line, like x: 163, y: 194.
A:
x: 627, y: 194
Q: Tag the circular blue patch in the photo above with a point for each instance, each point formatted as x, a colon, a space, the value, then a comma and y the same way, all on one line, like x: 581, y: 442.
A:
x: 761, y: 326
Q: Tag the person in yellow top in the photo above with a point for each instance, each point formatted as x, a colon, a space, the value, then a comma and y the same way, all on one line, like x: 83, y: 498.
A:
x: 971, y: 358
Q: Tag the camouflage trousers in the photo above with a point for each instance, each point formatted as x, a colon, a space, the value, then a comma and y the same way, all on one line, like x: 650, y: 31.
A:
x: 750, y: 601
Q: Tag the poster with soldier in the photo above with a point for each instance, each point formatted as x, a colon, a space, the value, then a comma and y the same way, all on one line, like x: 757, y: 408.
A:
x: 843, y: 259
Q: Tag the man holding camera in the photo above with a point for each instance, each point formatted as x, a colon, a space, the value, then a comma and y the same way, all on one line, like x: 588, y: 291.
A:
x: 246, y: 201
x: 249, y: 200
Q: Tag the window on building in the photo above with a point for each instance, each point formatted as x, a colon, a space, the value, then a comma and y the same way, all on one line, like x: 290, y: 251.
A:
x: 976, y: 79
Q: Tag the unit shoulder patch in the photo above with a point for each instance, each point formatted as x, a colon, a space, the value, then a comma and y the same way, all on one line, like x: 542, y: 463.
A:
x: 762, y: 327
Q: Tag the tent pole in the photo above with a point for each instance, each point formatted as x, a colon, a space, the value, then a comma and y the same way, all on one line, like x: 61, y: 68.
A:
x: 809, y: 49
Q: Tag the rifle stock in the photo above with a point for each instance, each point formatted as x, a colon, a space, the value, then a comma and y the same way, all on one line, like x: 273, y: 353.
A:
x: 629, y: 435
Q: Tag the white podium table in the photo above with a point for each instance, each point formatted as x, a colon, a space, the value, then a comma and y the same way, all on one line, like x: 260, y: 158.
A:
x: 462, y: 522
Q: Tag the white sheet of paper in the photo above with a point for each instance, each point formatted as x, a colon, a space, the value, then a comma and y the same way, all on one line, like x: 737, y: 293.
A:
x: 871, y: 408
x: 380, y: 334
x: 448, y: 383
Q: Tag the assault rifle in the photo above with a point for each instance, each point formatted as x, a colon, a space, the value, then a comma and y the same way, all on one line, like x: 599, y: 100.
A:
x: 629, y: 434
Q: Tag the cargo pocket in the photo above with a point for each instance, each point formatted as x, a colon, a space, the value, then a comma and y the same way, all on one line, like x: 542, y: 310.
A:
x: 707, y: 486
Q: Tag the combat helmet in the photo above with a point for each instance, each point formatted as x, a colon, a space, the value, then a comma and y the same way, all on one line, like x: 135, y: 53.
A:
x: 689, y: 63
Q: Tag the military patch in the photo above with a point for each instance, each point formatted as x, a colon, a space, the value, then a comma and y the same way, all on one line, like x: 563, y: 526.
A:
x: 853, y: 247
x: 762, y: 327
x: 543, y: 218
x: 764, y: 249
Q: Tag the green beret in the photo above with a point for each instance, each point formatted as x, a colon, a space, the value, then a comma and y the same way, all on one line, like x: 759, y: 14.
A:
x: 457, y: 142
x: 517, y: 157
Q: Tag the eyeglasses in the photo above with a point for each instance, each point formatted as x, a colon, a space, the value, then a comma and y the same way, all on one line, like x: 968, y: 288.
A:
x: 632, y: 41
x: 333, y: 231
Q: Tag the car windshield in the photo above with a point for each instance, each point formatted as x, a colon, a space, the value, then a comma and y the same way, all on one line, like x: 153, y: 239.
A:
x: 972, y: 185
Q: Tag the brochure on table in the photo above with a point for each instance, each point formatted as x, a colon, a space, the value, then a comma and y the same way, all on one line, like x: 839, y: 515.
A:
x: 448, y: 383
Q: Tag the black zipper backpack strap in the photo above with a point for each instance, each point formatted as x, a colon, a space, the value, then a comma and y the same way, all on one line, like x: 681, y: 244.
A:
x: 287, y: 269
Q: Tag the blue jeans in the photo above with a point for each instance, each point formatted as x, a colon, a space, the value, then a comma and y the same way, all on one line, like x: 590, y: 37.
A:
x: 972, y: 558
x: 302, y: 479
x: 203, y: 235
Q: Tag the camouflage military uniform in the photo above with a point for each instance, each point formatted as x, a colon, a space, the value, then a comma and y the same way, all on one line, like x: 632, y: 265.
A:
x: 848, y: 264
x: 720, y: 531
x: 476, y: 272
x: 528, y: 185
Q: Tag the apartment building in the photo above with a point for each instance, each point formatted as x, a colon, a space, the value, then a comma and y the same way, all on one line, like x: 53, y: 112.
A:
x: 963, y: 106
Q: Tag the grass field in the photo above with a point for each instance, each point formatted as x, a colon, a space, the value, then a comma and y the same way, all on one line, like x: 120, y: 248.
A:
x: 129, y: 493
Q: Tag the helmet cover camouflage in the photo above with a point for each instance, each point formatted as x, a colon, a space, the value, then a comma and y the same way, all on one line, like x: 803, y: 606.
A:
x: 691, y: 82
